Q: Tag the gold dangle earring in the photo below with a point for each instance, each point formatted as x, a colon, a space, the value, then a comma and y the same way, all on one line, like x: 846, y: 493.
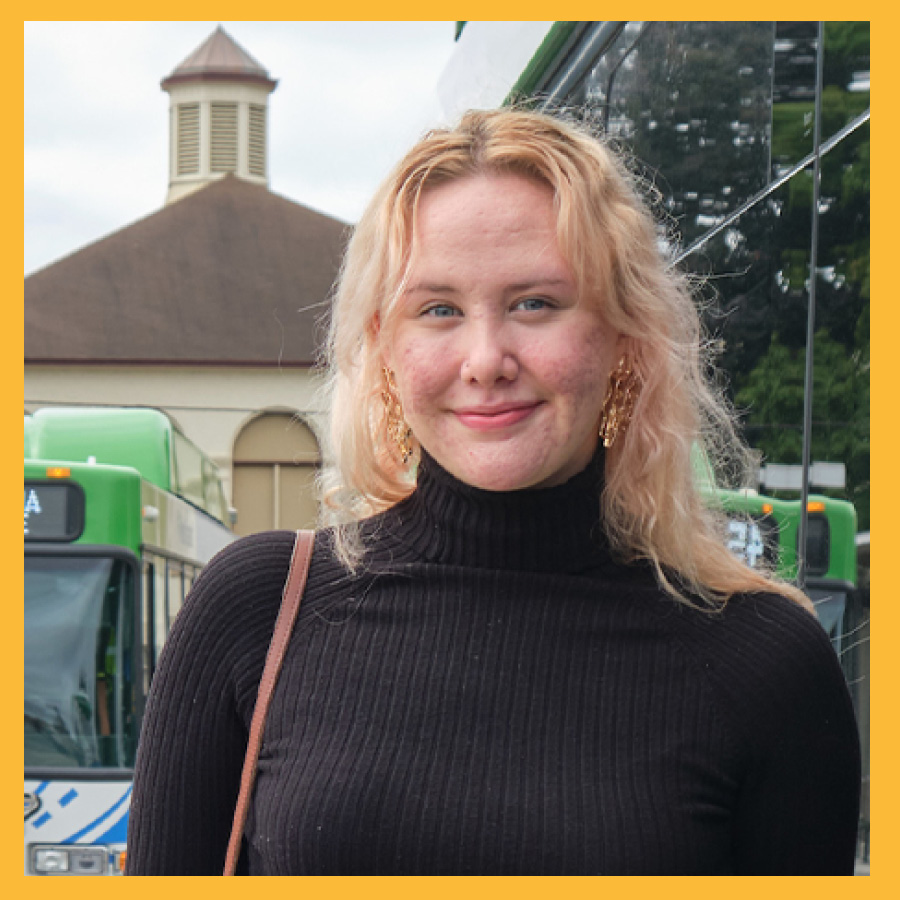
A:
x: 397, y: 429
x: 624, y: 384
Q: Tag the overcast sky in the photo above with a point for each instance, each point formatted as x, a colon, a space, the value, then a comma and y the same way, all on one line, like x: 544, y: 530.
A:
x: 351, y: 97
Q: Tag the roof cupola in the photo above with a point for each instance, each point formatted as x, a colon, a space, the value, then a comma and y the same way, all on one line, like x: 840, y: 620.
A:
x: 218, y: 115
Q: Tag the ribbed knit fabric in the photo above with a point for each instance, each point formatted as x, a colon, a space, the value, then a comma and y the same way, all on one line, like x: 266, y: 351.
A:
x: 493, y: 694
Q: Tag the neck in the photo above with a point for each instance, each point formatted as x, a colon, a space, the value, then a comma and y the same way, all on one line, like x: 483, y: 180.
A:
x: 555, y: 529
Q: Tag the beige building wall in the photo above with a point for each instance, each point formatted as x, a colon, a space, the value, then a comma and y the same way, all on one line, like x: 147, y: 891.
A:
x: 213, y: 405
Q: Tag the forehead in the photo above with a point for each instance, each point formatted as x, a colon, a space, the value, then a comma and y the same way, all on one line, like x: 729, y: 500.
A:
x: 485, y: 217
x: 485, y: 198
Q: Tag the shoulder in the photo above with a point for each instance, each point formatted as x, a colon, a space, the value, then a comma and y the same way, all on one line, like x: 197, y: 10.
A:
x: 771, y: 665
x: 769, y: 634
x: 260, y: 551
x: 232, y: 606
x: 758, y: 638
x: 749, y: 629
x: 244, y: 582
x: 221, y: 634
x: 752, y: 636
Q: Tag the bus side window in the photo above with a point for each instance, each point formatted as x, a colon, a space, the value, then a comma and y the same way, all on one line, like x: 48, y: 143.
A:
x: 160, y: 619
x: 176, y: 590
x: 147, y: 630
x: 166, y: 583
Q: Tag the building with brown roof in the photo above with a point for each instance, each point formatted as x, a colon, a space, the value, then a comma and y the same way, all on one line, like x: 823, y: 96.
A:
x: 211, y: 308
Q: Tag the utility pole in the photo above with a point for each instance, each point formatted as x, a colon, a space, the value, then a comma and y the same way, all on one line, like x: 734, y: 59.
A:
x: 811, y: 311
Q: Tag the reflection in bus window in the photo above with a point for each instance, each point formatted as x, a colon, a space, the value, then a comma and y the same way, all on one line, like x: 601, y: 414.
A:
x: 78, y: 691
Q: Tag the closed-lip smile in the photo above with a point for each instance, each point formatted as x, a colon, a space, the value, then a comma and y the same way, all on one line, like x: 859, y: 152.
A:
x: 485, y: 418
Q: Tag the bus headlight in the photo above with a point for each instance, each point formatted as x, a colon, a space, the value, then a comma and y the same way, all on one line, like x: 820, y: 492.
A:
x: 49, y: 861
x: 69, y: 860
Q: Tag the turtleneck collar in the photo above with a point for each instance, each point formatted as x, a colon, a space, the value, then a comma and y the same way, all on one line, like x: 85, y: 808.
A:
x: 553, y: 529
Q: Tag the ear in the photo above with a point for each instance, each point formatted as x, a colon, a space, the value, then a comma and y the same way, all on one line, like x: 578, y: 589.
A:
x: 625, y: 346
x: 378, y: 339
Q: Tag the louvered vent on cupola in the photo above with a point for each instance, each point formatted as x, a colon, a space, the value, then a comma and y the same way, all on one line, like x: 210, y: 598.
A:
x: 257, y: 140
x: 223, y: 145
x: 188, y: 146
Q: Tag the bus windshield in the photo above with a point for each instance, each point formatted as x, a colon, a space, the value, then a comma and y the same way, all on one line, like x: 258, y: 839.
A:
x: 79, y: 656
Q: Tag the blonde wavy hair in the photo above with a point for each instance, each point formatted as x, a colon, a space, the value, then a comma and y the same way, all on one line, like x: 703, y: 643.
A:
x: 651, y: 506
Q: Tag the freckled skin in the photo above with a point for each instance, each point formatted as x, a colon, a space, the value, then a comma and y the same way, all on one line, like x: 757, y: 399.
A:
x: 501, y: 367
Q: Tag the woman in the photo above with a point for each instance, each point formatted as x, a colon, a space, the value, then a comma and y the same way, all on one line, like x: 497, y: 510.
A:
x: 524, y: 649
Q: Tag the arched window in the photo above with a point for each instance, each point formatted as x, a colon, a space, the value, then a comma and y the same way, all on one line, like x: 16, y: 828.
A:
x: 276, y: 457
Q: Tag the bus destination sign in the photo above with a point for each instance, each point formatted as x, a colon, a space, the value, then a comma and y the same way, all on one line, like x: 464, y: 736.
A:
x: 53, y: 512
x: 754, y: 540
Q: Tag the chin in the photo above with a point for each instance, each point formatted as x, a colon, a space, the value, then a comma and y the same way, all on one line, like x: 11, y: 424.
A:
x: 500, y: 477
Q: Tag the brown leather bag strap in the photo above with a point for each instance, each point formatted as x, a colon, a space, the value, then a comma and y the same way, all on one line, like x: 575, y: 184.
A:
x: 287, y: 615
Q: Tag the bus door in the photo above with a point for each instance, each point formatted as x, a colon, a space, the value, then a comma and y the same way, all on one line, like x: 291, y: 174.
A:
x: 81, y: 705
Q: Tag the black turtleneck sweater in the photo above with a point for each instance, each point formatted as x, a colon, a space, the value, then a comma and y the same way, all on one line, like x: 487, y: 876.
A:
x: 494, y: 695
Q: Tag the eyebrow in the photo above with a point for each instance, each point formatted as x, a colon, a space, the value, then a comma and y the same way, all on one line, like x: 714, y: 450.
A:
x: 539, y: 283
x: 427, y: 287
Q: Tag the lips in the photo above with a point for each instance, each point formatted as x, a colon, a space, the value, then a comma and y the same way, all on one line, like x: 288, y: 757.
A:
x: 484, y: 418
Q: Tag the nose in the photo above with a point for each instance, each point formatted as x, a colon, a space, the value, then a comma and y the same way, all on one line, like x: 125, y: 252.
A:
x: 487, y: 355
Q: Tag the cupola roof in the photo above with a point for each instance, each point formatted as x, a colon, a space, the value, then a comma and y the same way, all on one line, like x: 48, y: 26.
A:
x: 218, y: 58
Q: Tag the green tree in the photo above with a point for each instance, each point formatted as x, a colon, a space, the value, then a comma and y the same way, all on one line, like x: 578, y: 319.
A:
x: 773, y: 399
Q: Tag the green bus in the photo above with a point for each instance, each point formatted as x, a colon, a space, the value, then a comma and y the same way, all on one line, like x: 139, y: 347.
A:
x: 121, y: 513
x: 766, y: 530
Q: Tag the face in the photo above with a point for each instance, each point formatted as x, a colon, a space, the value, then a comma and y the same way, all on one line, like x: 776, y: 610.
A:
x: 500, y: 365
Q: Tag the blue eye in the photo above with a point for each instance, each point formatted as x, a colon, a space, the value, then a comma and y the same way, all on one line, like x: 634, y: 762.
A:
x: 441, y: 311
x: 532, y: 304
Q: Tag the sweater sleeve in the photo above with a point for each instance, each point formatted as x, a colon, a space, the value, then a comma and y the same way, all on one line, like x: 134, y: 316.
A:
x: 194, y: 733
x: 798, y: 804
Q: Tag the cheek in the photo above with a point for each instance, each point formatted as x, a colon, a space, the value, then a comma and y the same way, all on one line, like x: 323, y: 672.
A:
x: 422, y: 374
x: 579, y: 370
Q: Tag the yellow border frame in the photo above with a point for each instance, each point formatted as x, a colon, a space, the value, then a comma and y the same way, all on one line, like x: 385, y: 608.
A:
x: 885, y: 814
